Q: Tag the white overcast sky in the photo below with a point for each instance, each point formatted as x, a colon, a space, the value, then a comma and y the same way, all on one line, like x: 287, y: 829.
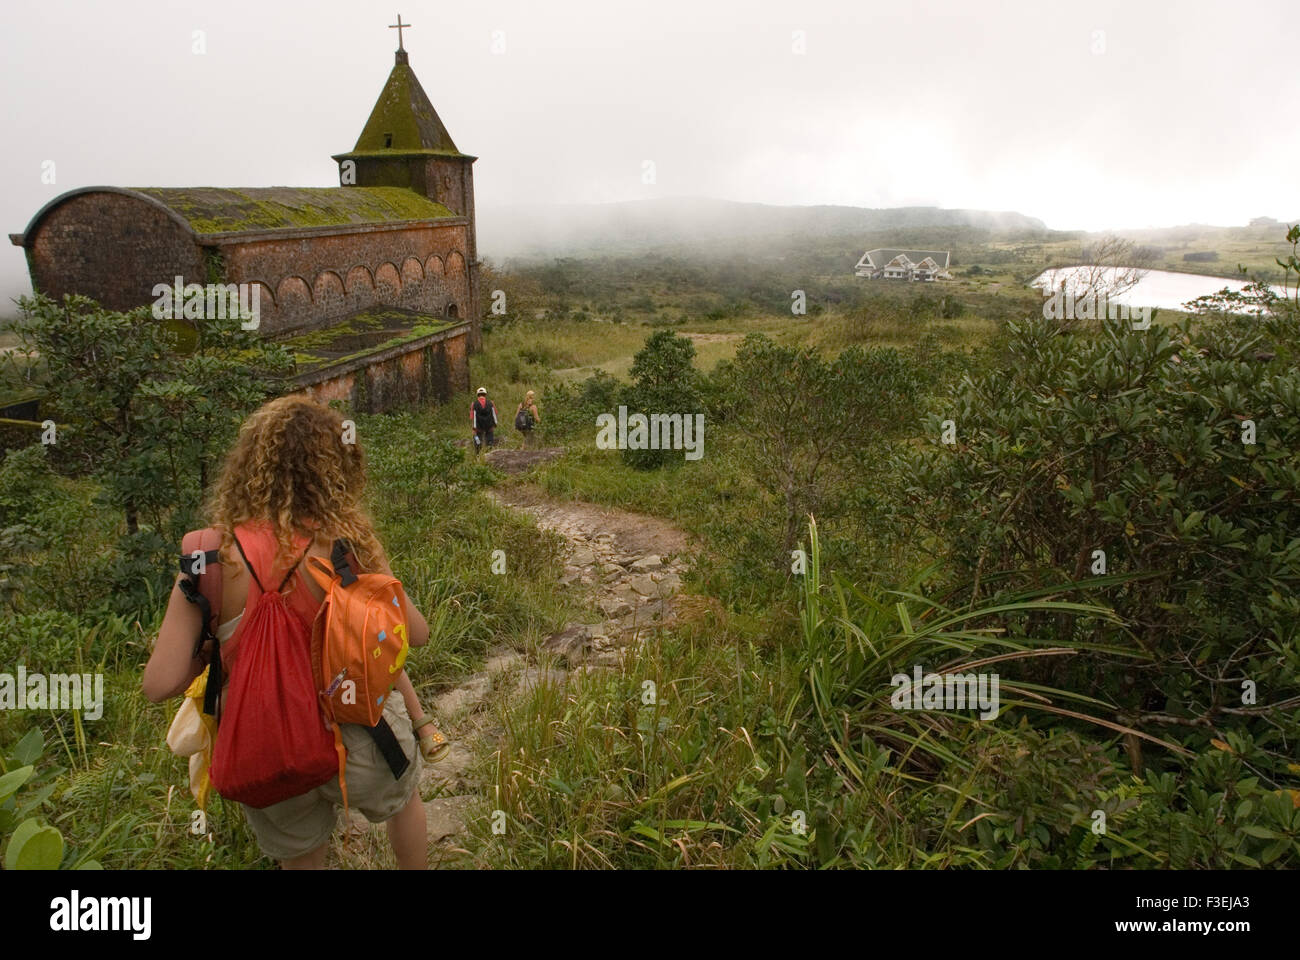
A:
x: 1088, y: 115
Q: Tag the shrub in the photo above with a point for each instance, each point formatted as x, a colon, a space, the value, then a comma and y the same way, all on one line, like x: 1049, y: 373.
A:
x: 664, y: 381
x: 571, y: 409
x: 808, y: 418
x: 48, y: 537
x: 146, y: 419
x: 1015, y: 795
x: 1119, y: 452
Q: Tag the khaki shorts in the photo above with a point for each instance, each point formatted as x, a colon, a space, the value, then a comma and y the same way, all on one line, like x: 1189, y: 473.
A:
x: 300, y: 824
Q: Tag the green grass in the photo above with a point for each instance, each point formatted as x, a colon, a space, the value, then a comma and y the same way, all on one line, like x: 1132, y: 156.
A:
x: 121, y: 796
x: 766, y: 743
x: 707, y: 750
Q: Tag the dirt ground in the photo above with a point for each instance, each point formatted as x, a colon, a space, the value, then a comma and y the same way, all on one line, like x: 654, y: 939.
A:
x: 516, y: 460
x: 635, y: 532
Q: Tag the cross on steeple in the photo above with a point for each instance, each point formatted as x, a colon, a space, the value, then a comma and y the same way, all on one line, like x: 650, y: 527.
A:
x: 399, y: 27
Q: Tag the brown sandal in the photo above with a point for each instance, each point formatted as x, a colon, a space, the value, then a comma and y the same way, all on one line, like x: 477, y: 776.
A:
x: 433, y: 745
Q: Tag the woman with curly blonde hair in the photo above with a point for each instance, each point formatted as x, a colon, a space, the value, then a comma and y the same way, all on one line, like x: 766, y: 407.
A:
x: 292, y: 485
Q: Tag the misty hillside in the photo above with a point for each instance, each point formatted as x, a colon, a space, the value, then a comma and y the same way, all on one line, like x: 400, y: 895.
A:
x: 545, y: 230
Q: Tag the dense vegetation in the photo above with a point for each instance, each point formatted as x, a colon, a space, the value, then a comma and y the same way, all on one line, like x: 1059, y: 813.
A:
x: 1073, y: 509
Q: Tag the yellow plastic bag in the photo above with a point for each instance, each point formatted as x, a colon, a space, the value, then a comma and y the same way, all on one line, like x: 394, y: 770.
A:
x: 191, y: 735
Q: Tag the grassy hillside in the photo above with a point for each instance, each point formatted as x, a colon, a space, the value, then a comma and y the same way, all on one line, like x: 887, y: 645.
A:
x: 773, y: 740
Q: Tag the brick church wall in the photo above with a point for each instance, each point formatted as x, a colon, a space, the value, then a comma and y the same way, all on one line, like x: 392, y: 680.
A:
x: 115, y: 247
x: 111, y: 247
x: 322, y: 278
x: 431, y: 372
x: 457, y: 364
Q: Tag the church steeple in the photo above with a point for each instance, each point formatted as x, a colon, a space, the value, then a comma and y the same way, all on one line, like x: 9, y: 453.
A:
x: 404, y: 144
x: 403, y: 120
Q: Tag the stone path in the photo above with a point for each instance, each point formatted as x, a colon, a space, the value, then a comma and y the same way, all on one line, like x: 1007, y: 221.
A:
x: 627, y: 568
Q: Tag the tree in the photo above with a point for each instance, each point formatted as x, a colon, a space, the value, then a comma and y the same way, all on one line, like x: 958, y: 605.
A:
x: 1111, y: 267
x: 143, y: 417
x: 664, y: 381
x: 806, y: 417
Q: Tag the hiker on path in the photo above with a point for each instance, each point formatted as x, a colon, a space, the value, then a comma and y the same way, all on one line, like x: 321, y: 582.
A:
x: 289, y: 490
x: 527, y: 418
x: 483, y: 418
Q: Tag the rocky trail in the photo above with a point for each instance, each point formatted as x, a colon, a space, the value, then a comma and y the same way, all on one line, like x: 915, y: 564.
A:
x: 625, y: 569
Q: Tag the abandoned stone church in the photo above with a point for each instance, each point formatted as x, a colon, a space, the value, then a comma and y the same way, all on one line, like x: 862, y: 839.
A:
x: 372, y: 285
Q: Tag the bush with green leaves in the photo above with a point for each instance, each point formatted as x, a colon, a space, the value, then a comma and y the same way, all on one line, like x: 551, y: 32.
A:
x: 44, y: 640
x: 1015, y: 791
x: 145, y: 418
x: 1052, y: 799
x: 1162, y: 462
x: 142, y: 416
x: 664, y: 381
x: 571, y: 410
x: 812, y: 423
x: 46, y: 524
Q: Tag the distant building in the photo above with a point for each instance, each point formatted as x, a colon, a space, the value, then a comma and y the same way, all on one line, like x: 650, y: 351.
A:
x: 904, y: 265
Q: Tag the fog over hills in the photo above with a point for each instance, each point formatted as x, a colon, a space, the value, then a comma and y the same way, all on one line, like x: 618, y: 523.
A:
x: 548, y: 230
x: 686, y: 225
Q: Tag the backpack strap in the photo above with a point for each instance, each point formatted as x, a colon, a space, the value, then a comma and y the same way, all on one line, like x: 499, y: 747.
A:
x: 339, y: 559
x: 342, y: 753
x: 285, y: 582
x: 201, y: 585
x: 253, y: 573
x: 386, y: 743
x: 248, y: 563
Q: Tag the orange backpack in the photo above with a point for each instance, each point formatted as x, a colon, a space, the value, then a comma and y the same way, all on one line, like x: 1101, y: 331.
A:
x: 358, y: 648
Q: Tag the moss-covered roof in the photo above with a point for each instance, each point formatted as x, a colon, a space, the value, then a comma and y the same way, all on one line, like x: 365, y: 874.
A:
x: 403, y: 120
x: 366, y: 332
x: 223, y: 210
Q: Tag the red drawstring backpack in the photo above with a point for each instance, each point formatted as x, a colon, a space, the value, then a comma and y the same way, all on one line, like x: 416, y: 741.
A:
x: 272, y: 743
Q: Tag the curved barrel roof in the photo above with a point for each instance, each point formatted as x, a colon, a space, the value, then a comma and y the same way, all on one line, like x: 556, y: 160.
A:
x: 223, y: 210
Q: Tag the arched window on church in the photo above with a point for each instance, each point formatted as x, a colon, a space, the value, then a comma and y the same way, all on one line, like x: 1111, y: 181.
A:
x: 453, y: 312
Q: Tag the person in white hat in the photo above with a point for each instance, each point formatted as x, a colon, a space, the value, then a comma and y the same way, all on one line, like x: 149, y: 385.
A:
x: 483, y: 418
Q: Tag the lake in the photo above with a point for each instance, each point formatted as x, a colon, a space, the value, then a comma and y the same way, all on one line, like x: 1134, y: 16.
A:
x: 1157, y: 288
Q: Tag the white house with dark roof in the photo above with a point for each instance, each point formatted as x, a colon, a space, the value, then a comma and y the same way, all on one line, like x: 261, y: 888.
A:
x: 904, y: 265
